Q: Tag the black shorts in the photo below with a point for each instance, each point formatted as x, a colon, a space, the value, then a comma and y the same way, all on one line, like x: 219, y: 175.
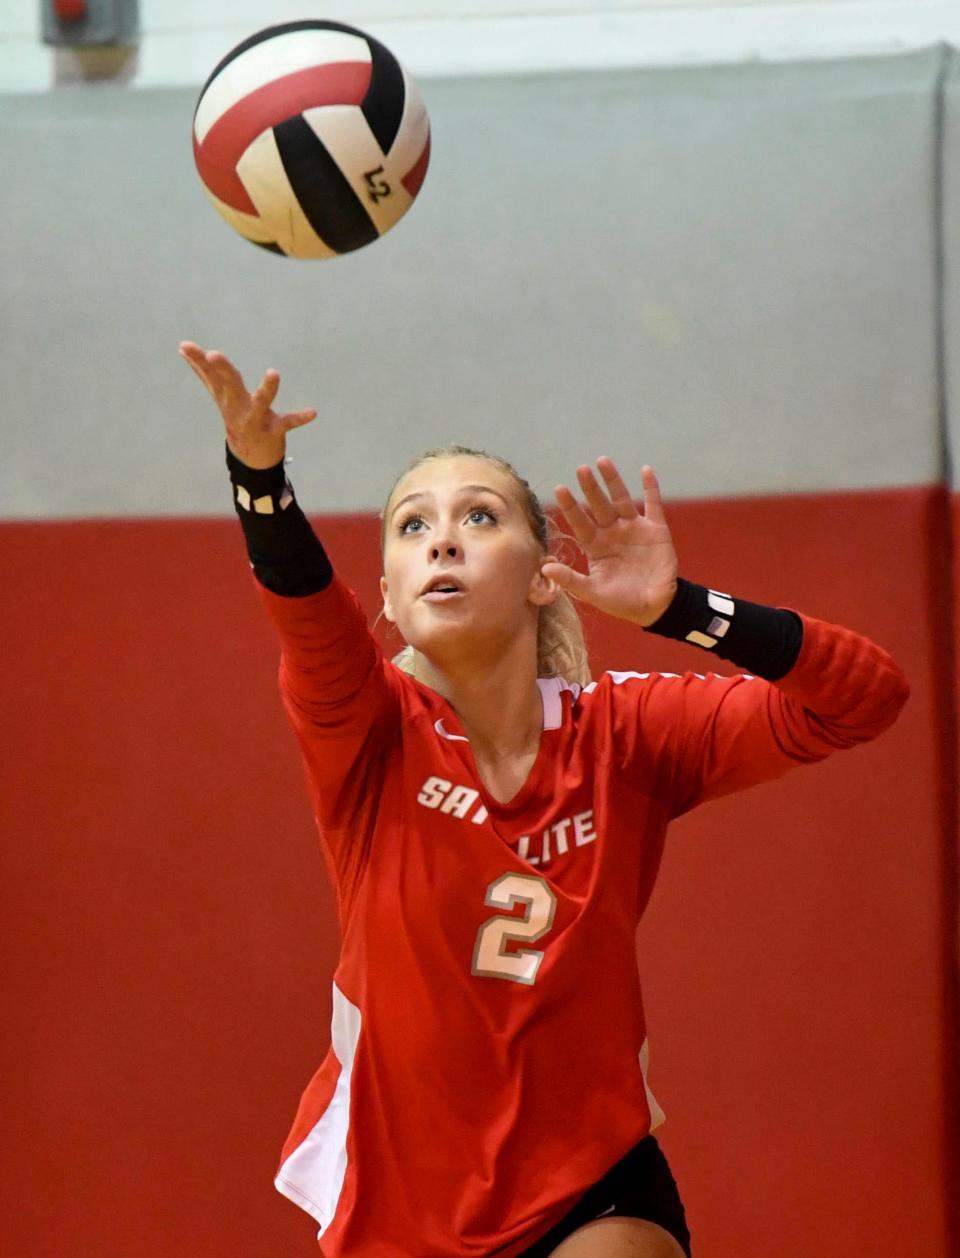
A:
x: 640, y: 1186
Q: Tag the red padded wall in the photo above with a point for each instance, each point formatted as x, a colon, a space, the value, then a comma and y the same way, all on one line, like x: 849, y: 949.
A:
x: 169, y: 937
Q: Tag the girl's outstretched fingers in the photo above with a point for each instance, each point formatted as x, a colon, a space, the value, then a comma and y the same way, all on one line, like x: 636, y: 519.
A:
x: 264, y: 394
x: 653, y: 503
x: 196, y: 359
x: 582, y: 526
x: 190, y: 350
x: 620, y: 495
x: 297, y: 419
x: 255, y: 432
x: 603, y: 510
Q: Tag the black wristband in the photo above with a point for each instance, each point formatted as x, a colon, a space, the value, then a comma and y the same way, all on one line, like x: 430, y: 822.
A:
x: 763, y: 640
x: 285, y: 553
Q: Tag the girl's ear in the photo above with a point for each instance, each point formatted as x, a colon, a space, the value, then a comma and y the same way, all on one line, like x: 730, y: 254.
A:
x: 543, y: 590
x: 387, y: 609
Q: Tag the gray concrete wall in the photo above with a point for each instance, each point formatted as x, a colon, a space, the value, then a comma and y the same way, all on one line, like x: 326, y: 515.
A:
x: 727, y: 272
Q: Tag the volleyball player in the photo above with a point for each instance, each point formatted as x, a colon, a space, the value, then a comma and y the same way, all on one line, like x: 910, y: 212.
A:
x: 493, y: 823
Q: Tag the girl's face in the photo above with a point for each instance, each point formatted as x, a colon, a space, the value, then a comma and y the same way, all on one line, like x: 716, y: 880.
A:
x: 461, y: 565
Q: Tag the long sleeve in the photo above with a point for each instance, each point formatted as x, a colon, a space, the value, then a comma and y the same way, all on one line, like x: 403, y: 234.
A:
x: 342, y: 699
x: 339, y: 693
x: 696, y: 737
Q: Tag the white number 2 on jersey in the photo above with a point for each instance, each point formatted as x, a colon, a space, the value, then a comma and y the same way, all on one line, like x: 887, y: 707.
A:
x: 490, y: 958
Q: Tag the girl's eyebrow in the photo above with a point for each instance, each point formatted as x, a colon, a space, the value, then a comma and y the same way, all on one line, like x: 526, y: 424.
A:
x: 464, y: 489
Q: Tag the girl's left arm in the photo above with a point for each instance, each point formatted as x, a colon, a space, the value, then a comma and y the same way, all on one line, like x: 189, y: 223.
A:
x: 696, y: 737
x: 809, y: 688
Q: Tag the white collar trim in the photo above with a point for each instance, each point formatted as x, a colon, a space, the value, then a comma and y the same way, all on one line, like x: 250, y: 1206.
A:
x: 551, y: 688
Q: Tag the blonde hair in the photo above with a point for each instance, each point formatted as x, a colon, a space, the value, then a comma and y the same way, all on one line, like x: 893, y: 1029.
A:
x: 561, y: 646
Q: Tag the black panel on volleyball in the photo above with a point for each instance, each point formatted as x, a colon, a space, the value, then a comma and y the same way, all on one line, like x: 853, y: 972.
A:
x: 328, y: 201
x: 383, y: 104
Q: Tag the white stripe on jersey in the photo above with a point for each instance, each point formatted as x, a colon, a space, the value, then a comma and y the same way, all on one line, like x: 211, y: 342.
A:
x: 620, y: 678
x: 312, y: 1176
x: 657, y: 1116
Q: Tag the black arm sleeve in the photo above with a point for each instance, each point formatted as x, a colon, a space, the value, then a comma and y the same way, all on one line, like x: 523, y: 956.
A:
x: 285, y: 553
x: 765, y: 641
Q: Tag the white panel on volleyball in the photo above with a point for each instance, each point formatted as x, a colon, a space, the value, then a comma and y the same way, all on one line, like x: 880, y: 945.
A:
x: 270, y: 60
x: 281, y: 218
x: 345, y: 133
x: 414, y: 128
x: 248, y: 225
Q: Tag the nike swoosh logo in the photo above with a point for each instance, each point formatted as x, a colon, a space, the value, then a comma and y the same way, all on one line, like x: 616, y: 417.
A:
x: 609, y: 1210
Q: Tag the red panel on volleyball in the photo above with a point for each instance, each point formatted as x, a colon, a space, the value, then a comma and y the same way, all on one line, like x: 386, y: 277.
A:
x: 417, y: 173
x: 342, y: 83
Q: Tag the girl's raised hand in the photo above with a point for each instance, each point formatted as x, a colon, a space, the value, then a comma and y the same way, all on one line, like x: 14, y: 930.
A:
x: 255, y: 432
x: 632, y: 560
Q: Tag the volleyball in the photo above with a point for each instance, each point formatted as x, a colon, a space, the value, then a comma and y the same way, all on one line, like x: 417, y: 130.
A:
x: 311, y: 139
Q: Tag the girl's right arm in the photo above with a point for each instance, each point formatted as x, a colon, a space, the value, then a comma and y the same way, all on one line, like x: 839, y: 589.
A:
x: 340, y: 695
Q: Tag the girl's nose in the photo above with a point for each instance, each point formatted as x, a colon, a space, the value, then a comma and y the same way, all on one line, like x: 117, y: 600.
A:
x: 444, y: 548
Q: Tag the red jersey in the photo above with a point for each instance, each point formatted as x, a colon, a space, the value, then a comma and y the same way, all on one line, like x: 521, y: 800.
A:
x: 465, y: 1103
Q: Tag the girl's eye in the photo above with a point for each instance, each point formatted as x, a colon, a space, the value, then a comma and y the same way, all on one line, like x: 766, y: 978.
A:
x: 414, y: 523
x: 482, y: 511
